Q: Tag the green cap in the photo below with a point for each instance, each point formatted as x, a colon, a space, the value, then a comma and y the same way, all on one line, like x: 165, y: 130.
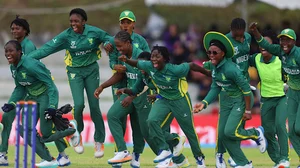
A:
x: 213, y: 35
x: 127, y: 14
x: 290, y: 33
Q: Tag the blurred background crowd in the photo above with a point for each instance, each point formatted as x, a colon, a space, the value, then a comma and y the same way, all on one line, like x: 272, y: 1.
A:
x: 179, y: 25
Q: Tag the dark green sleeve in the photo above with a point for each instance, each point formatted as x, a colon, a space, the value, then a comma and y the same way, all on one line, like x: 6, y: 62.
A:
x: 113, y: 58
x: 52, y: 46
x: 240, y: 80
x: 29, y: 48
x: 212, y: 94
x: 252, y: 60
x: 144, y: 45
x: 181, y: 70
x: 139, y: 85
x: 144, y: 65
x: 43, y: 75
x: 103, y: 36
x: 207, y: 65
x: 274, y: 49
x: 18, y: 94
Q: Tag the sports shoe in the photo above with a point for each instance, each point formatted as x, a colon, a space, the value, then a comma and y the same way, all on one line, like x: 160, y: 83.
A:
x: 135, y: 162
x: 220, y: 162
x: 99, y: 150
x: 177, y: 150
x: 249, y: 165
x: 1, y: 129
x: 75, y: 138
x: 49, y: 164
x: 200, y: 162
x: 163, y: 155
x: 3, y: 160
x: 261, y: 141
x: 231, y: 162
x: 165, y: 163
x: 79, y: 148
x: 284, y: 164
x: 185, y: 163
x: 120, y: 157
x: 63, y: 160
x: 118, y: 165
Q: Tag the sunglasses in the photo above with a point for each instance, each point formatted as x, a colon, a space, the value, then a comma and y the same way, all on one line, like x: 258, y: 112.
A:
x: 212, y: 52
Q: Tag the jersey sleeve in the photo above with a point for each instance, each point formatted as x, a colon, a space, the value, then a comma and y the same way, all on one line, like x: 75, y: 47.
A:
x: 103, y: 36
x: 52, y: 46
x: 29, y: 48
x: 274, y: 49
x: 144, y: 45
x: 43, y: 75
x: 181, y: 70
x: 212, y: 94
x: 139, y: 85
x: 239, y: 79
x: 208, y: 65
x: 144, y: 65
x: 18, y: 94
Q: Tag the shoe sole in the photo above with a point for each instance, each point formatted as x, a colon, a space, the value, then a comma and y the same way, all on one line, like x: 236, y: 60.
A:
x: 134, y: 166
x: 101, y: 156
x: 163, y: 159
x: 67, y: 164
x: 4, y: 164
x: 124, y: 160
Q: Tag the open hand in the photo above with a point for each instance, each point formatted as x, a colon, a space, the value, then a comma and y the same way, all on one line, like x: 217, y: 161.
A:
x: 98, y: 91
x: 108, y: 48
x: 253, y: 26
x: 198, y: 107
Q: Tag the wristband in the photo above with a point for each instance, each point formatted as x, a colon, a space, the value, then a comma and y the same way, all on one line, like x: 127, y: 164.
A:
x: 248, y: 112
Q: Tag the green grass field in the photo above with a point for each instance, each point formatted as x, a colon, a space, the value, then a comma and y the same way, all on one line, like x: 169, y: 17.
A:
x: 87, y: 158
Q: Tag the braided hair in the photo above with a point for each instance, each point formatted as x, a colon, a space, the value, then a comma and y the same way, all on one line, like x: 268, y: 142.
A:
x: 163, y: 51
x: 80, y: 12
x: 123, y: 36
x: 238, y: 24
x: 21, y: 22
x: 15, y: 43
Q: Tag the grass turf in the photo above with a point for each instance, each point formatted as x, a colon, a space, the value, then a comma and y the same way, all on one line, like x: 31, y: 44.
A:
x: 87, y: 158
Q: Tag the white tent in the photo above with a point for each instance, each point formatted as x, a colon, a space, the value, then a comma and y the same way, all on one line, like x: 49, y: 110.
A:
x: 284, y: 4
x: 213, y: 3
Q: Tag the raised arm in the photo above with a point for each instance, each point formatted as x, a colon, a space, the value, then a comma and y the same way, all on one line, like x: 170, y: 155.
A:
x: 130, y: 62
x: 195, y: 67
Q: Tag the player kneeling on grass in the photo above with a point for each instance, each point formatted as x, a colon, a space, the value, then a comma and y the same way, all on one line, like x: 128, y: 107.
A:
x: 228, y: 77
x: 34, y: 82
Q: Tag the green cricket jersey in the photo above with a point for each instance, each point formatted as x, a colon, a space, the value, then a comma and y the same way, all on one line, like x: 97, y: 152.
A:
x: 137, y: 40
x: 290, y: 62
x: 132, y: 73
x: 81, y: 49
x: 27, y: 46
x: 227, y: 77
x: 241, y: 53
x: 33, y: 78
x: 143, y: 81
x: 208, y: 65
x: 270, y: 75
x: 170, y: 81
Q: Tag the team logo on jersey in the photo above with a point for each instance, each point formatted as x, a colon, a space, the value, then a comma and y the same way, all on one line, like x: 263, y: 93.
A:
x: 236, y: 50
x: 167, y: 78
x: 73, y: 44
x: 294, y: 62
x: 283, y: 59
x: 90, y: 40
x: 136, y: 45
x: 223, y: 77
x: 126, y: 13
x: 72, y: 75
x: 54, y: 40
x: 23, y: 75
